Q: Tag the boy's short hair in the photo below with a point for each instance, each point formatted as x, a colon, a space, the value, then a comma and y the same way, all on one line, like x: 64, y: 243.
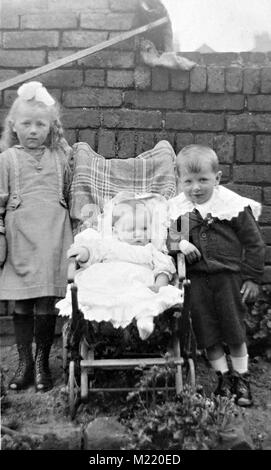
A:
x: 192, y: 156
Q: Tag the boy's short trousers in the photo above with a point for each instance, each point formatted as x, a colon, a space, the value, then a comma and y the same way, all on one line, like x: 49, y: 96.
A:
x: 217, y: 310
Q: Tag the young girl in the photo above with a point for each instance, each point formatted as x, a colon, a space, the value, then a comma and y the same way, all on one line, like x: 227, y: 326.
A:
x: 224, y: 250
x: 34, y: 225
x: 124, y: 273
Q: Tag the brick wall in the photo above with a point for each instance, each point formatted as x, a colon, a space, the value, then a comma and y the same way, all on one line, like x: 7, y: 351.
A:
x: 121, y: 107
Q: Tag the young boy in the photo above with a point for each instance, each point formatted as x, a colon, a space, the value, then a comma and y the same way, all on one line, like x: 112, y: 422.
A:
x: 216, y: 231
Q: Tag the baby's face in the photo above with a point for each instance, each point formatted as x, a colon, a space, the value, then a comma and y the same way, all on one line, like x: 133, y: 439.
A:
x: 133, y: 227
x: 199, y: 187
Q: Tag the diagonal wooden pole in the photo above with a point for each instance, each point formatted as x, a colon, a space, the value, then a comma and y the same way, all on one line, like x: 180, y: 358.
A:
x: 80, y: 54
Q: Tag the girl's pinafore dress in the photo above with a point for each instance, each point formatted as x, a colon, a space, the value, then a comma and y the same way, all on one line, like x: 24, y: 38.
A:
x: 35, y: 219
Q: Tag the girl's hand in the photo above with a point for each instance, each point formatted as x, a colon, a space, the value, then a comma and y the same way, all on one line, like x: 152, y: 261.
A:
x: 3, y: 249
x: 81, y: 253
x: 190, y: 251
x: 250, y: 290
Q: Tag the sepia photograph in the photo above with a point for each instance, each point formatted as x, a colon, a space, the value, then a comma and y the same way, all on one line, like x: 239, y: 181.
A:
x: 135, y: 229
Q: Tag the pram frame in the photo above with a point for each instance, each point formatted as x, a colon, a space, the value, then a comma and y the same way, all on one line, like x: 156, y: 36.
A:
x: 83, y: 354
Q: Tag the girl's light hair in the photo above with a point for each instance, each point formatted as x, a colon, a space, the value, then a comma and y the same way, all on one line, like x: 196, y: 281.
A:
x: 55, y: 138
x: 193, y: 156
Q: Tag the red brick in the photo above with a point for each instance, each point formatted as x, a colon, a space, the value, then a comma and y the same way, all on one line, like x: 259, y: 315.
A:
x: 252, y: 81
x: 215, y: 80
x: 95, y: 77
x: 142, y: 76
x: 246, y: 190
x: 179, y: 80
x: 60, y: 54
x: 226, y: 173
x: 126, y: 144
x: 110, y: 59
x: 120, y: 78
x: 80, y: 118
x: 52, y: 20
x: 112, y: 21
x: 126, y: 118
x: 198, y: 79
x: 214, y: 102
x: 252, y: 173
x: 123, y: 5
x: 82, y: 39
x: 70, y: 135
x: 30, y: 39
x: 196, y: 121
x: 145, y: 141
x: 92, y: 97
x: 219, y: 58
x: 88, y: 136
x: 266, y: 80
x: 234, y: 79
x: 127, y: 45
x: 155, y: 100
x: 204, y: 139
x: 259, y: 103
x: 267, y: 195
x: 65, y: 5
x: 9, y: 21
x: 244, y: 148
x: 267, y: 275
x: 183, y: 139
x: 160, y: 79
x: 252, y: 58
x: 23, y: 7
x: 22, y: 58
x: 64, y: 78
x: 265, y: 217
x: 249, y: 123
x: 224, y: 147
x: 6, y: 74
x: 263, y: 148
x: 268, y: 254
x: 165, y: 135
x: 106, y: 143
x: 266, y: 232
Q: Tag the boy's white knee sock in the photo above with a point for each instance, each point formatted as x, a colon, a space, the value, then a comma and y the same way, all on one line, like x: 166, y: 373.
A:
x: 220, y: 365
x: 240, y: 364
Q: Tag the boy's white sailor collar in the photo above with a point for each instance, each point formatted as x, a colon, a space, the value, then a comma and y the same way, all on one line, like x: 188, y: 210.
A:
x: 224, y: 205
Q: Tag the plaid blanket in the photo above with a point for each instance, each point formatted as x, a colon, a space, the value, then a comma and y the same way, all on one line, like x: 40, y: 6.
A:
x: 97, y: 179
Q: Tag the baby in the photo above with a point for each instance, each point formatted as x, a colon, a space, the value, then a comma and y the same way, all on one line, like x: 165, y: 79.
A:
x: 124, y: 273
x: 216, y: 231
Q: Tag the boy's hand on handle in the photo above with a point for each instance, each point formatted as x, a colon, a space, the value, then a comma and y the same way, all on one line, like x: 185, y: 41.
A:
x: 80, y: 253
x: 3, y: 249
x: 190, y: 251
x: 249, y: 291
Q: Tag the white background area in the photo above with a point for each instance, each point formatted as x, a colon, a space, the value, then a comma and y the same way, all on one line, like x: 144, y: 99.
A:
x: 224, y: 25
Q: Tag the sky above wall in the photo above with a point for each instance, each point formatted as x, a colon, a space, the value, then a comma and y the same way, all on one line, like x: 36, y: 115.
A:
x: 225, y: 25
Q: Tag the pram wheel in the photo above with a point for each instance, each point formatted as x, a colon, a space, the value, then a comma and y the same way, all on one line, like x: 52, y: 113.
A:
x: 74, y: 391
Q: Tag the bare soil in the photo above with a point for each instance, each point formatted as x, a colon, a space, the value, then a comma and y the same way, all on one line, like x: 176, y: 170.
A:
x: 30, y: 410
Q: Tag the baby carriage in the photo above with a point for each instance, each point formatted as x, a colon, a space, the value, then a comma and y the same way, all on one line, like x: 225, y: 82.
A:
x: 97, y: 180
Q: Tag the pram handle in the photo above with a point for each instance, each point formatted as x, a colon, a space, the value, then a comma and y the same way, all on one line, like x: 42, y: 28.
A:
x: 71, y: 269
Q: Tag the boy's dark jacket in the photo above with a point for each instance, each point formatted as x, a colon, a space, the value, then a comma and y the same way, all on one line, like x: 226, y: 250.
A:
x: 225, y: 245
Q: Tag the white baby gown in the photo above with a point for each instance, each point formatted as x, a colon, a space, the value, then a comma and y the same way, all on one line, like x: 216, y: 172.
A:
x: 113, y: 284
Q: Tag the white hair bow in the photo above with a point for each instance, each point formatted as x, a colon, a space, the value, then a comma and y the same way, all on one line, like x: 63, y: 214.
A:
x: 36, y: 90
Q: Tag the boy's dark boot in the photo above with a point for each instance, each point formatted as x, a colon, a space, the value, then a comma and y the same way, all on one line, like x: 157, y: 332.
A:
x: 23, y: 329
x: 241, y: 389
x: 44, y: 335
x: 224, y: 386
